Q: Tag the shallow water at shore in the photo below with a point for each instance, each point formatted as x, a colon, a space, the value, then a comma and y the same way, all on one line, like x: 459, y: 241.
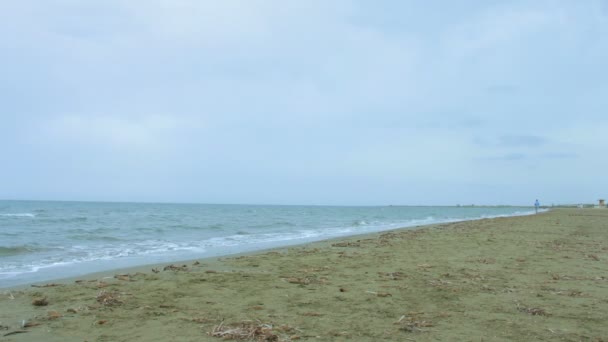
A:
x: 46, y: 240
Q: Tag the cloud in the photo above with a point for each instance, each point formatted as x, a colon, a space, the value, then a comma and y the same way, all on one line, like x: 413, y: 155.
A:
x: 146, y: 132
x: 388, y: 96
x: 511, y: 141
x: 521, y: 141
x: 560, y: 155
x: 509, y: 157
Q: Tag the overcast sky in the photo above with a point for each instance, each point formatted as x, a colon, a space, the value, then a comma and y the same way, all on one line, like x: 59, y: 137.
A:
x: 304, y: 102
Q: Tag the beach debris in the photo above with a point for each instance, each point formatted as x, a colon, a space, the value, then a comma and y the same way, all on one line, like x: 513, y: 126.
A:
x: 102, y: 321
x: 486, y: 260
x: 304, y: 251
x: 295, y: 280
x: 312, y: 279
x: 246, y: 330
x: 413, y: 323
x: 532, y: 311
x: 108, y: 298
x: 155, y: 270
x: 594, y: 257
x: 345, y: 255
x: 536, y: 311
x: 176, y: 268
x: 72, y: 310
x: 347, y: 244
x: 25, y: 324
x: 312, y: 314
x: 10, y: 295
x: 424, y: 266
x: 379, y: 294
x: 393, y: 275
x: 440, y: 283
x: 4, y: 327
x: 389, y: 235
x: 210, y: 271
x: 101, y: 284
x: 342, y: 289
x: 40, y: 302
x: 15, y: 332
x: 53, y: 315
x: 48, y: 285
x: 123, y: 277
x: 196, y: 263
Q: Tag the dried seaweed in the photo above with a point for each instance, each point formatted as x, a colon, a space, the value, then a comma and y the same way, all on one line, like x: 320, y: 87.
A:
x: 48, y: 285
x: 175, y: 268
x: 40, y: 302
x: 532, y: 311
x: 413, y: 323
x: 346, y: 244
x: 245, y: 330
x: 108, y: 298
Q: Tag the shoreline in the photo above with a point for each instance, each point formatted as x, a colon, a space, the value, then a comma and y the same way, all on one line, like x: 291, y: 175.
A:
x: 537, y: 277
x: 287, y: 244
x: 215, y: 259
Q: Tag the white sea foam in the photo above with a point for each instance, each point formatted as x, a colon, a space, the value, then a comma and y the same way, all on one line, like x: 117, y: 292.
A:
x: 18, y: 215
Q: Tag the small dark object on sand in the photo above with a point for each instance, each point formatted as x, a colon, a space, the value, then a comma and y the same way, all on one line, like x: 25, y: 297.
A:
x: 40, y: 302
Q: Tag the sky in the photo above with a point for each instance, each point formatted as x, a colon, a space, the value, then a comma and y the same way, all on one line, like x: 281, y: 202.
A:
x: 343, y: 102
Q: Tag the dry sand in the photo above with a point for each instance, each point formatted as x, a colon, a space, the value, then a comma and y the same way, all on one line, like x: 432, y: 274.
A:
x: 541, y: 277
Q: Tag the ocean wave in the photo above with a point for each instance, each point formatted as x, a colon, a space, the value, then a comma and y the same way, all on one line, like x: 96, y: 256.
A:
x: 201, y: 227
x: 63, y: 220
x: 277, y: 224
x: 16, y: 250
x: 18, y: 215
x: 217, y: 226
x: 150, y: 230
x: 88, y: 237
x: 360, y: 223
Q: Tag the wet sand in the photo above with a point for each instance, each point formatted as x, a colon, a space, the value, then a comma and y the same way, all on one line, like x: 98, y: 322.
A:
x: 540, y: 277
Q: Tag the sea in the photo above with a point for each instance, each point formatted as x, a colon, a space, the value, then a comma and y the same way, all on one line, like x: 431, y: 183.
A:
x: 45, y: 240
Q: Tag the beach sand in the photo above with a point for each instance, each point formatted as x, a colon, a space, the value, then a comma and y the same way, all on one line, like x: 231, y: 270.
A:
x: 540, y: 277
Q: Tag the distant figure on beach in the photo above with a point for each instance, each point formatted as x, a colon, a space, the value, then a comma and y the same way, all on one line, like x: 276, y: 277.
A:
x: 536, y: 205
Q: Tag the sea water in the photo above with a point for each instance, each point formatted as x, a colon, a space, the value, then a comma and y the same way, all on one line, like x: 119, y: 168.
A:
x: 40, y: 241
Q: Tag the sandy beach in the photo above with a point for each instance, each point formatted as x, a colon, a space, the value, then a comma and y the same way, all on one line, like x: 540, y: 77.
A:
x: 540, y: 277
